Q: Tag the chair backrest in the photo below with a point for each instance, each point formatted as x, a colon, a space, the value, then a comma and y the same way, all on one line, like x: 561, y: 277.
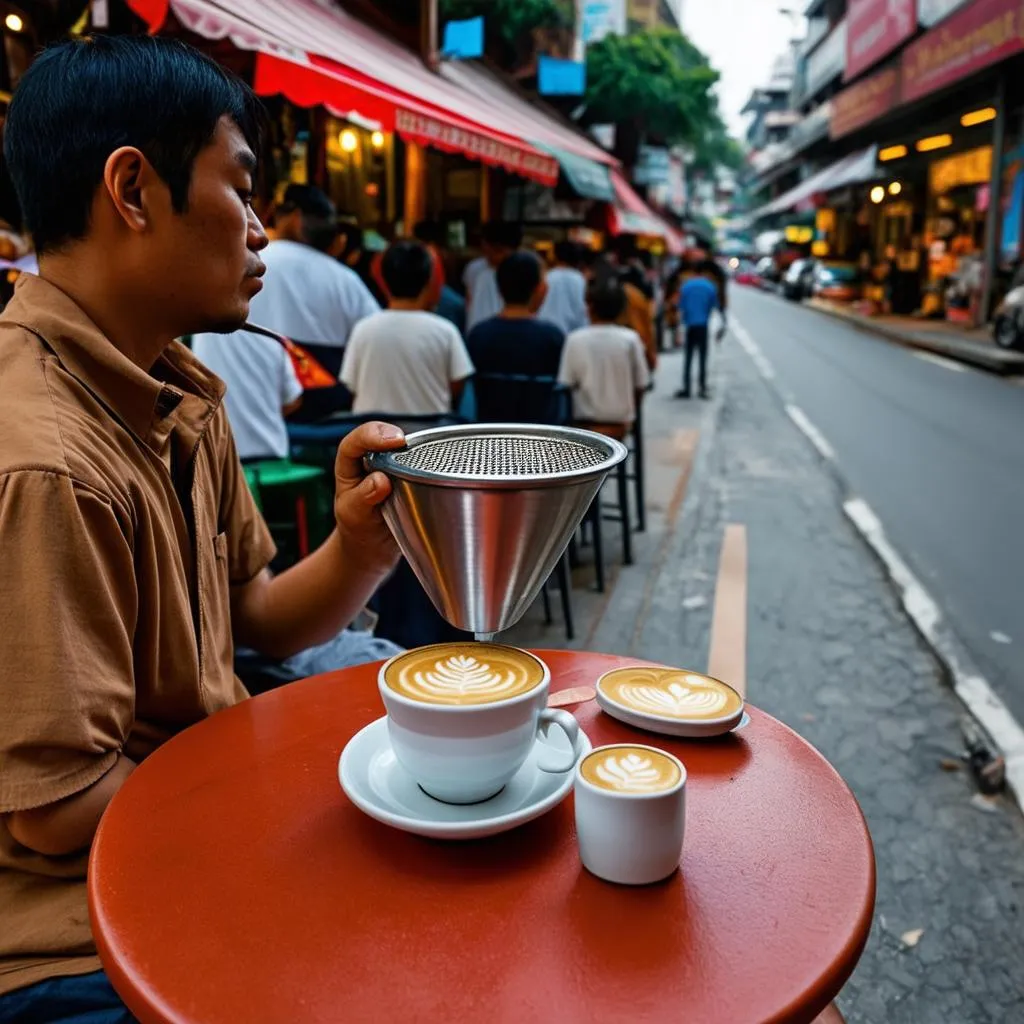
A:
x: 519, y: 398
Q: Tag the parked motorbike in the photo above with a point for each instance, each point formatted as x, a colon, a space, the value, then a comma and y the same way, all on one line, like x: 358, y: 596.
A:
x: 1008, y: 324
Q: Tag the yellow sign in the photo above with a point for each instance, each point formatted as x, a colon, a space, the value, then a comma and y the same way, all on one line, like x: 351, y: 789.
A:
x: 798, y: 234
x: 971, y: 168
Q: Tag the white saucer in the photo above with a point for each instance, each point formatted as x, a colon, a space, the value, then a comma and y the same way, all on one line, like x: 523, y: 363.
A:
x: 374, y: 781
x: 691, y: 728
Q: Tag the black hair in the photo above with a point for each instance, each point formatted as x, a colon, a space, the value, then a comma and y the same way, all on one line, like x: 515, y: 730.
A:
x: 518, y: 277
x: 607, y: 300
x: 568, y: 252
x: 429, y: 232
x: 406, y: 269
x: 502, y: 234
x: 319, y: 217
x: 81, y: 100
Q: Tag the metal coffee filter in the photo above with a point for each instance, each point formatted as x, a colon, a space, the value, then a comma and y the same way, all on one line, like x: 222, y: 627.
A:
x: 483, y: 512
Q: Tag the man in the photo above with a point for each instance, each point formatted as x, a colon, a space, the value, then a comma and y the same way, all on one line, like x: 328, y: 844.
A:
x: 132, y: 556
x: 515, y: 342
x: 406, y: 359
x: 698, y: 299
x: 566, y: 303
x: 483, y: 298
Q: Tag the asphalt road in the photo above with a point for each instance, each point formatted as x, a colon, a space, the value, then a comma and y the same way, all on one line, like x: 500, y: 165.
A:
x: 935, y: 449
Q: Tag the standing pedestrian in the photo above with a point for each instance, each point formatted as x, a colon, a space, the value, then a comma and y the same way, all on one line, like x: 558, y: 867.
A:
x: 483, y: 297
x: 566, y: 302
x: 698, y: 299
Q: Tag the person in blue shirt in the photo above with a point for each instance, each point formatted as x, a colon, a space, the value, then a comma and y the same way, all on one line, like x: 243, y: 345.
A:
x: 697, y: 301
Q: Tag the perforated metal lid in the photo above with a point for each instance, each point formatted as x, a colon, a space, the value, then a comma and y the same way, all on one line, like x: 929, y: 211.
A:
x: 501, y: 455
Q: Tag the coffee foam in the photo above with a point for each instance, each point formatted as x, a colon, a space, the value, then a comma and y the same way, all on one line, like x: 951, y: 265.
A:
x: 463, y: 674
x: 625, y: 769
x: 670, y: 693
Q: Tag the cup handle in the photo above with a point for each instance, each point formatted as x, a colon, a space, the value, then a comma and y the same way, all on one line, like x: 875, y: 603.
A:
x: 552, y: 762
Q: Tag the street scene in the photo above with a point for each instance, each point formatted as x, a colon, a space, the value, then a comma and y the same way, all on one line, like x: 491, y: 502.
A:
x: 510, y: 511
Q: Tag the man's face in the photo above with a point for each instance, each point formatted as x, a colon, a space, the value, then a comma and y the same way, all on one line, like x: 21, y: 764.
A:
x: 204, y: 260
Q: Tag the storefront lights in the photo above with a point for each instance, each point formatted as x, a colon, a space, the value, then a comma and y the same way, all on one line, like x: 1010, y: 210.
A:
x: 933, y: 142
x: 895, y: 188
x: 877, y: 194
x: 892, y: 153
x: 14, y: 23
x: 348, y: 140
x: 377, y: 140
x: 978, y: 117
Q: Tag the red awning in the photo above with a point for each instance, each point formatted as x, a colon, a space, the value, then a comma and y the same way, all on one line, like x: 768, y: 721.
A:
x: 630, y: 215
x: 315, y: 53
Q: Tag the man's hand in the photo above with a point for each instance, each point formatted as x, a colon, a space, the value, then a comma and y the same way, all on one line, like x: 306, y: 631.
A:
x: 364, y: 536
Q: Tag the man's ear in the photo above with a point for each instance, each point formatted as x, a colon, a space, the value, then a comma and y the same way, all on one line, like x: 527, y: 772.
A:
x: 125, y: 177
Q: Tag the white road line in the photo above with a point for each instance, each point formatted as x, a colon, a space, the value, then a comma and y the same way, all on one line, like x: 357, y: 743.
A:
x: 810, y: 431
x: 975, y: 692
x: 751, y: 347
x: 949, y: 364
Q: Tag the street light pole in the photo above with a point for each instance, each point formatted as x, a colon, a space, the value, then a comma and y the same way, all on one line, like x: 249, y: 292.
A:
x: 995, y: 202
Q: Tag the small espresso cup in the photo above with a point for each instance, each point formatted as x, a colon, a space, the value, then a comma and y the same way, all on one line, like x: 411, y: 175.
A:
x: 630, y: 812
x: 463, y: 718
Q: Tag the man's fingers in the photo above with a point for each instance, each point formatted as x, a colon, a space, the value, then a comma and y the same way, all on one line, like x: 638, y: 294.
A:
x: 369, y: 437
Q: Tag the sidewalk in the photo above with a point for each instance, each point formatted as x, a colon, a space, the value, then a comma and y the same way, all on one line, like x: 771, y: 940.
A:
x: 829, y: 652
x: 973, y: 346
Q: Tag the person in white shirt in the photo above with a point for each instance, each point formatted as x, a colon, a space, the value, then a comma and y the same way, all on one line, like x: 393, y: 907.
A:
x: 483, y: 299
x: 604, y: 365
x: 566, y: 302
x: 406, y: 360
x: 262, y: 389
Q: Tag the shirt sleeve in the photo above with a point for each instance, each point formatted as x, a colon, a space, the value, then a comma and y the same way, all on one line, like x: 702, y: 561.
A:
x: 638, y: 363
x: 567, y: 370
x: 291, y: 389
x: 68, y: 606
x: 352, y: 360
x: 460, y: 366
x: 357, y: 300
x: 580, y: 314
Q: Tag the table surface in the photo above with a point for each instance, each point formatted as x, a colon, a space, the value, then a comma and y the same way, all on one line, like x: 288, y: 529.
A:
x: 231, y: 880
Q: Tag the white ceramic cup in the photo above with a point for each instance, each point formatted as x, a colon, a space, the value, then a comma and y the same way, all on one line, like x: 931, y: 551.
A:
x: 463, y: 754
x: 629, y: 837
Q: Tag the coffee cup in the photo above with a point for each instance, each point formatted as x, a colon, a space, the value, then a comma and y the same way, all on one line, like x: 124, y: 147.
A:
x: 630, y: 813
x: 463, y: 718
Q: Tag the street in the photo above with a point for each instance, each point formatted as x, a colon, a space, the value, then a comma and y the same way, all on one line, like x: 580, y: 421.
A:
x: 936, y: 449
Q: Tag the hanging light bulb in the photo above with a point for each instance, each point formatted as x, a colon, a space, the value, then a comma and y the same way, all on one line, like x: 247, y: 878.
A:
x: 14, y: 22
x: 348, y: 140
x: 377, y: 140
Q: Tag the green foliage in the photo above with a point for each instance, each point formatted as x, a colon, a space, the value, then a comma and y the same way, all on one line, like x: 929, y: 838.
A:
x: 513, y: 21
x: 657, y: 81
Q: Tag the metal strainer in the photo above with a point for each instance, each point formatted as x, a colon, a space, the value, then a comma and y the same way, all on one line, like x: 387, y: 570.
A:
x: 483, y: 512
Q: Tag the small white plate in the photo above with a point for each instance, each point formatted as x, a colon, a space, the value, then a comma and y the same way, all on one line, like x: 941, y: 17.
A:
x: 691, y: 728
x: 377, y: 784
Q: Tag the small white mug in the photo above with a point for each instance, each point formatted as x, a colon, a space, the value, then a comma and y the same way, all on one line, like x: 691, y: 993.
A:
x: 629, y: 823
x: 464, y: 754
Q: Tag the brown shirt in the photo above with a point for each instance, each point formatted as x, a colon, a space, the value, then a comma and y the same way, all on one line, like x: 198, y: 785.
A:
x: 639, y: 315
x: 124, y: 517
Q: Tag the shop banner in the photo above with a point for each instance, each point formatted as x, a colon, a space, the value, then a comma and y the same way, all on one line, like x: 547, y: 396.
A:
x: 983, y: 33
x: 864, y: 102
x: 875, y: 29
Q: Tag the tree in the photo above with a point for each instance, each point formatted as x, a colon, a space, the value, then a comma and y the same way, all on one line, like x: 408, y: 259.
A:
x: 510, y: 26
x: 654, y: 84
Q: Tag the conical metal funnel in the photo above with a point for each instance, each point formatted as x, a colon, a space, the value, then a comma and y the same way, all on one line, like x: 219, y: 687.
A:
x: 483, y: 512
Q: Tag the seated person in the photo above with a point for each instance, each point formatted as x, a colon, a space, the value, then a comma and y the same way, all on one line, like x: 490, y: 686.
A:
x: 604, y: 365
x: 565, y: 304
x: 516, y: 342
x: 499, y: 239
x: 405, y: 359
x: 262, y: 389
x: 132, y: 556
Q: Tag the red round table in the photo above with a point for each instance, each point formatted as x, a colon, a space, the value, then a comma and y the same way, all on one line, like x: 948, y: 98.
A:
x: 232, y: 881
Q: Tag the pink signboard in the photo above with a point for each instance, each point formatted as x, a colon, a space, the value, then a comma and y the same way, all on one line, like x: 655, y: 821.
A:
x: 982, y: 33
x: 876, y: 28
x: 864, y: 102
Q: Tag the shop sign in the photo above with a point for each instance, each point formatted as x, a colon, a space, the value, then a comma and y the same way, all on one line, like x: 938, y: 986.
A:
x: 982, y: 33
x: 652, y: 166
x: 600, y: 18
x: 971, y: 168
x: 864, y: 102
x: 429, y: 131
x: 931, y: 12
x: 876, y: 28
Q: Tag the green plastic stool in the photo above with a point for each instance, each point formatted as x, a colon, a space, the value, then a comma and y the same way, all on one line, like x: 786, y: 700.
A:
x: 279, y: 474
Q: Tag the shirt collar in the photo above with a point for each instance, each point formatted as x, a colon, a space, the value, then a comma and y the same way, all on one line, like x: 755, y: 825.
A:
x: 179, y: 392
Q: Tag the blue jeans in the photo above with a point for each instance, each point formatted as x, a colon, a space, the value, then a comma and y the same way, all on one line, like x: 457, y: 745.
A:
x: 78, y: 999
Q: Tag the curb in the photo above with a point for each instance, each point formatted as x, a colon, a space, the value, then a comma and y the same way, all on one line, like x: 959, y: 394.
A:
x: 988, y: 711
x: 998, y: 361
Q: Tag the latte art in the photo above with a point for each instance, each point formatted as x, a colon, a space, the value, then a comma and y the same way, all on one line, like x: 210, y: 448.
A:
x: 670, y: 693
x: 631, y: 770
x: 463, y: 673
